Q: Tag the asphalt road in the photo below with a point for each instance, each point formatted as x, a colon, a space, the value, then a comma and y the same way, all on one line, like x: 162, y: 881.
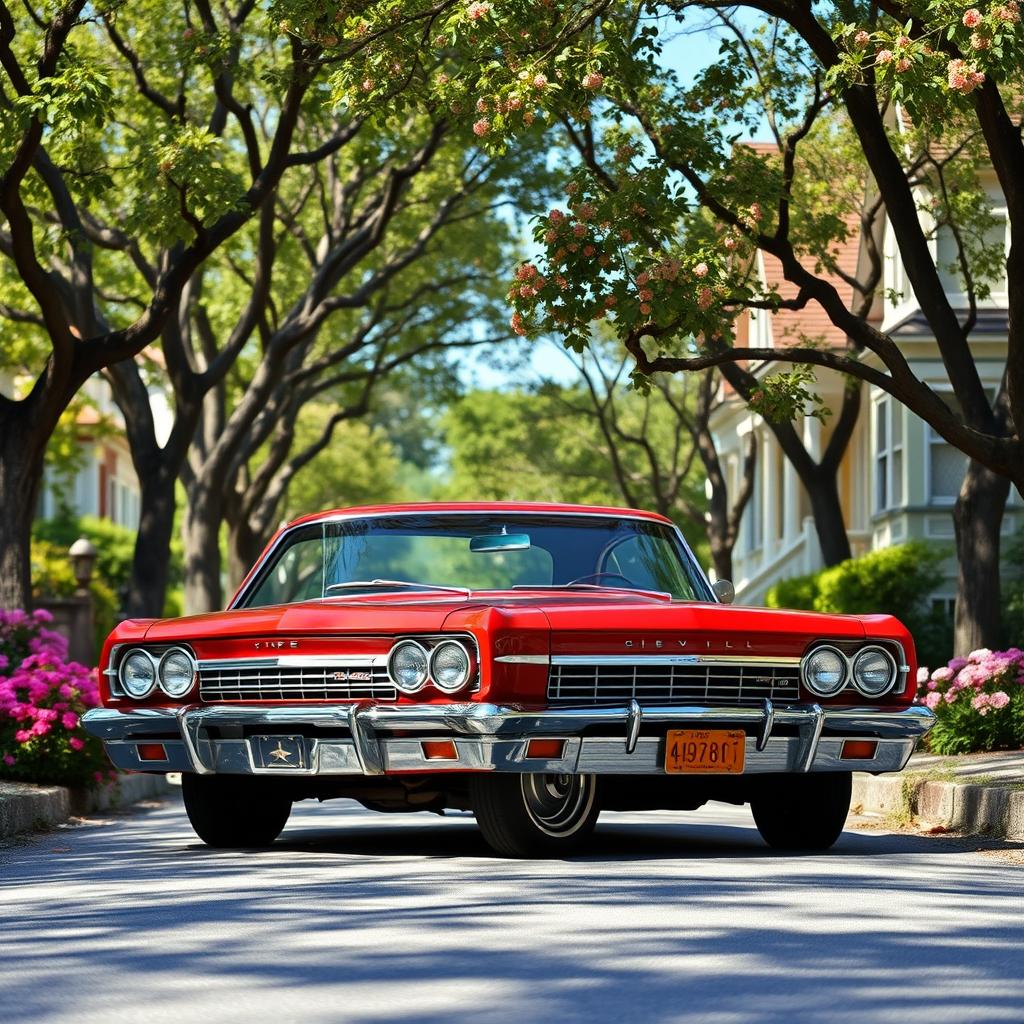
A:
x: 360, y: 917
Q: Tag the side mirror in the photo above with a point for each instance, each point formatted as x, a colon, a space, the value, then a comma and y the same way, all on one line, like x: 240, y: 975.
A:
x: 724, y: 591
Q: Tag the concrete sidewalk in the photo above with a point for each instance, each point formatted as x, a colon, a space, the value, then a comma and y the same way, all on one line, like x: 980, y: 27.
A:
x: 975, y: 794
x: 25, y: 807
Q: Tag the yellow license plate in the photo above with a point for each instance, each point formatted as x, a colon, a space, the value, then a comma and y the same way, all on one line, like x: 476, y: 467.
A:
x: 705, y: 751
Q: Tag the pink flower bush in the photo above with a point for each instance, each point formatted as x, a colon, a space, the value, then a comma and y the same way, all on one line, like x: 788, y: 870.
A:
x: 42, y: 699
x: 962, y: 77
x: 972, y: 18
x: 477, y: 10
x: 978, y: 702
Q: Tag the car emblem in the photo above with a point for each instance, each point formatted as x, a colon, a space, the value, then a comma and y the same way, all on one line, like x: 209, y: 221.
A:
x: 659, y: 645
x: 353, y: 676
x: 275, y: 645
x: 280, y: 754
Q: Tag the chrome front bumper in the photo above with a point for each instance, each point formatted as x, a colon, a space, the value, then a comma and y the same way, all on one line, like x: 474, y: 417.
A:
x: 374, y: 739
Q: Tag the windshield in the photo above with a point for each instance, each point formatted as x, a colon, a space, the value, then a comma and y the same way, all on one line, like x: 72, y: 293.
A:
x: 479, y: 551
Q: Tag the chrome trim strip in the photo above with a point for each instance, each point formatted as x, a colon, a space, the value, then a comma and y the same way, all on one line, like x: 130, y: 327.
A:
x: 294, y: 661
x: 671, y: 659
x: 524, y: 659
x: 814, y: 736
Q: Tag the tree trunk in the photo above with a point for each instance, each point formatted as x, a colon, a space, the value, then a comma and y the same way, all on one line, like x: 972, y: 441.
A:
x: 147, y: 587
x: 244, y: 547
x: 21, y: 470
x: 823, y: 491
x: 201, y: 533
x: 978, y: 520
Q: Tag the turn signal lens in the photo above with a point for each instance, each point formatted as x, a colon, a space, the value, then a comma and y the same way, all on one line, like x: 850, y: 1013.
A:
x: 151, y: 751
x: 137, y: 674
x: 858, y: 750
x: 407, y: 666
x: 439, y: 750
x: 550, y: 750
x: 874, y: 671
x: 824, y: 671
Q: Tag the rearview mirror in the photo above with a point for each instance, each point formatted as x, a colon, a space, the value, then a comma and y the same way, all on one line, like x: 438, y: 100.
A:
x: 493, y: 542
x: 724, y: 591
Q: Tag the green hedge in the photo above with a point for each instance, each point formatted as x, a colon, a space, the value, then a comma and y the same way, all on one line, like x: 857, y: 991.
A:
x: 898, y: 581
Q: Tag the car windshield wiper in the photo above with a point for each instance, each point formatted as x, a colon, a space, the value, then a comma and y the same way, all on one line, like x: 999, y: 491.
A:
x: 592, y: 586
x: 393, y: 585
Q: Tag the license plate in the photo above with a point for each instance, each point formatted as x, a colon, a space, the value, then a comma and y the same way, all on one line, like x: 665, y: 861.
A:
x: 278, y: 752
x: 705, y: 751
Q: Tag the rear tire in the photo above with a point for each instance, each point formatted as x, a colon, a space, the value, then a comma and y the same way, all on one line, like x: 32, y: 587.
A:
x: 802, y: 812
x: 535, y: 815
x: 234, y: 811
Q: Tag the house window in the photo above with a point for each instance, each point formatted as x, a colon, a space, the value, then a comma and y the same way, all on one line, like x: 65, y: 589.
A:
x: 996, y: 242
x: 753, y: 516
x: 946, y: 464
x: 888, y: 454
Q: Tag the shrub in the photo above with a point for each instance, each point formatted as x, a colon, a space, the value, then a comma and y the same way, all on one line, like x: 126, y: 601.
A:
x: 897, y: 580
x: 42, y: 699
x: 52, y: 576
x: 978, y: 702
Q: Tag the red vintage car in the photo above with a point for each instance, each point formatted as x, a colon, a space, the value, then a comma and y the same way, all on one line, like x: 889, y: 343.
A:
x: 532, y: 663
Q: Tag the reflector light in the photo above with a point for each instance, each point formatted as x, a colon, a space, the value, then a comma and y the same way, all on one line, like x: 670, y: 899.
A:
x: 439, y: 750
x: 151, y: 751
x: 857, y: 750
x: 550, y: 749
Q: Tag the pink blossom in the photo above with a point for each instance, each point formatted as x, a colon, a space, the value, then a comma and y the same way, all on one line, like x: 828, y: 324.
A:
x: 942, y: 675
x: 729, y: 242
x: 701, y: 270
x: 481, y: 127
x: 75, y: 743
x: 950, y: 696
x: 22, y: 736
x: 904, y: 41
x: 903, y: 64
x: 442, y: 78
x: 645, y: 308
x: 477, y: 9
x: 586, y: 211
x: 705, y: 298
x: 69, y: 720
x: 589, y: 250
x: 593, y: 80
x: 932, y: 700
x: 540, y: 81
x: 979, y: 42
x: 964, y: 79
x: 579, y: 230
x: 861, y: 39
x: 755, y: 212
x: 481, y: 106
x: 642, y: 278
x: 1008, y: 12
x: 556, y: 217
x: 42, y: 615
x: 999, y: 699
x: 883, y: 56
x: 972, y: 18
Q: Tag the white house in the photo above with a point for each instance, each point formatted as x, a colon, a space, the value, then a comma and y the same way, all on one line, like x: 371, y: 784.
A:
x: 898, y: 479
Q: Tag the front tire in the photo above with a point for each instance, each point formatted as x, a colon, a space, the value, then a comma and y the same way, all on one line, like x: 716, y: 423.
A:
x: 232, y: 811
x: 535, y: 815
x: 802, y: 812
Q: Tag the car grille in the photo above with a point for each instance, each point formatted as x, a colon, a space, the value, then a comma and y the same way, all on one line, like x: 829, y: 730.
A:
x: 250, y: 680
x: 709, y: 683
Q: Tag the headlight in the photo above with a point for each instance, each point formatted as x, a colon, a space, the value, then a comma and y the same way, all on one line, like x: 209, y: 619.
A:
x: 450, y: 666
x: 407, y: 666
x: 824, y: 671
x: 874, y: 671
x: 176, y: 672
x: 137, y: 674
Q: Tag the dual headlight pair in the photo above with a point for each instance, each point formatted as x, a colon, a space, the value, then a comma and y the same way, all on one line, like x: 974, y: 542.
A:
x: 448, y: 665
x: 872, y: 670
x: 140, y: 672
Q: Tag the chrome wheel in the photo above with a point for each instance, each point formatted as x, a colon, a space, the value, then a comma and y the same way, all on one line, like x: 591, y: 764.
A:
x: 559, y: 805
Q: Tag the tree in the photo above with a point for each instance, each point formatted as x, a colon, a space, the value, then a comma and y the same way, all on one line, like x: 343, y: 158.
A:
x: 69, y: 96
x: 652, y: 458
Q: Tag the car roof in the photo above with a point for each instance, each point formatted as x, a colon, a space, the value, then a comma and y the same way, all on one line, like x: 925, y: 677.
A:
x: 479, y: 506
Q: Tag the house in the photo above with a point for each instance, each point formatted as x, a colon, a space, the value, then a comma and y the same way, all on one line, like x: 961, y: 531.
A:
x: 898, y: 480
x: 103, y: 483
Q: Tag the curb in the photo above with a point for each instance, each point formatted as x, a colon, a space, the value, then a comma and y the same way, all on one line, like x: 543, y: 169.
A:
x: 958, y: 806
x: 26, y: 808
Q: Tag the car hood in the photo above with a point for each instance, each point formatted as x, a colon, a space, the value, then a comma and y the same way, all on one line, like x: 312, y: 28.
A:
x: 619, y: 616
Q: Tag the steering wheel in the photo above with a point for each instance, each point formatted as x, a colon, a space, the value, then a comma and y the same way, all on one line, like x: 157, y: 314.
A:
x: 595, y: 577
